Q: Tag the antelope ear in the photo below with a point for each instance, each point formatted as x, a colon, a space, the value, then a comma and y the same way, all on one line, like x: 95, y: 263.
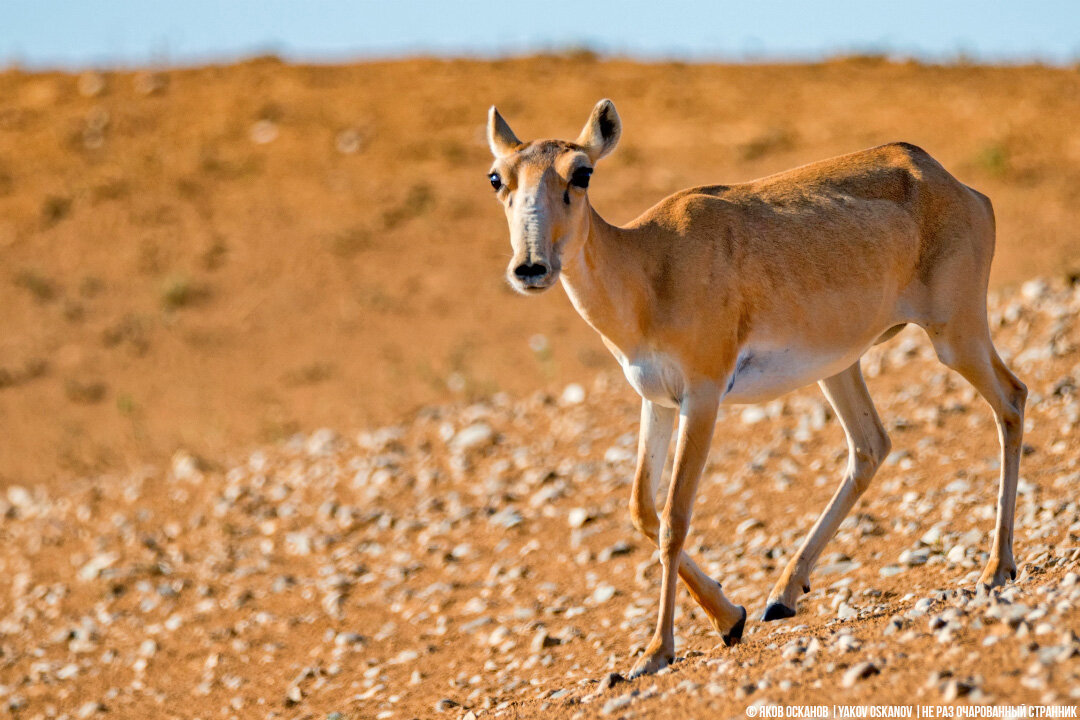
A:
x: 601, y: 133
x: 501, y: 138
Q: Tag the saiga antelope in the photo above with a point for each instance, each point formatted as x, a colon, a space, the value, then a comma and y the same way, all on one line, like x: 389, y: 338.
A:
x: 741, y: 293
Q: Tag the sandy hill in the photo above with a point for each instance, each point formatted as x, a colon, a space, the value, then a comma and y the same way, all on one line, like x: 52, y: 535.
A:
x: 212, y: 257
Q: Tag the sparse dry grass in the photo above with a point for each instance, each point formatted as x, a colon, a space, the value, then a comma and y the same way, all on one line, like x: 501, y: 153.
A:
x: 355, y: 229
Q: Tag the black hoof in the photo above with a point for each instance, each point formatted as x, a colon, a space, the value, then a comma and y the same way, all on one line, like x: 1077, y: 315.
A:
x: 1012, y: 574
x: 734, y: 635
x: 777, y: 611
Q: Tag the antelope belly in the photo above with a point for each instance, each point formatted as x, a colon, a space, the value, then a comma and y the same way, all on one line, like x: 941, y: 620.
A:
x: 765, y: 374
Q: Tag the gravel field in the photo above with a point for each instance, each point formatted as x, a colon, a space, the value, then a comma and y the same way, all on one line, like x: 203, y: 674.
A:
x: 478, y: 560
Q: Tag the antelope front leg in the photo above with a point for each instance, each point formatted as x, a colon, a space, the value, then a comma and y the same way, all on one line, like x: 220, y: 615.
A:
x: 657, y: 423
x: 697, y: 418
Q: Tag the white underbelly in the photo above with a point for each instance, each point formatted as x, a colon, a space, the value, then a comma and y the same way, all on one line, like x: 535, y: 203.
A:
x: 761, y: 374
x: 764, y: 374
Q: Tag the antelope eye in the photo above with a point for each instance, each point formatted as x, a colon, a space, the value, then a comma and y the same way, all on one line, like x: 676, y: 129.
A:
x: 581, y: 176
x: 496, y: 181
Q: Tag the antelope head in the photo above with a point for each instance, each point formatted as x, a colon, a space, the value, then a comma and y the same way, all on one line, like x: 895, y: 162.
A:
x: 543, y: 187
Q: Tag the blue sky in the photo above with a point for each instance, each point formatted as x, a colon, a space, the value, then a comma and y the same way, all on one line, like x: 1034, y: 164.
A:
x: 101, y: 33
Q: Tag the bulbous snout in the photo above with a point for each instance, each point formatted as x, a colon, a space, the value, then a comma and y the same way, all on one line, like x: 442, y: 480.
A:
x: 532, y: 275
x: 528, y: 272
x: 534, y: 227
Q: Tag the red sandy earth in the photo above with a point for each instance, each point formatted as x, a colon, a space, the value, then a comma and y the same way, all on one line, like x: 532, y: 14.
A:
x: 213, y: 257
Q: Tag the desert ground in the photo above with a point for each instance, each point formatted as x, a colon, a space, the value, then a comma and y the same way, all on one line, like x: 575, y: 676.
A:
x: 277, y: 440
x: 210, y: 258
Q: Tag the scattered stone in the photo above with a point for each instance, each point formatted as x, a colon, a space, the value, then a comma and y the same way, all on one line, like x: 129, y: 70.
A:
x: 747, y: 525
x: 603, y: 593
x: 573, y: 394
x: 848, y: 643
x: 616, y: 704
x: 542, y: 640
x: 577, y: 517
x: 955, y: 689
x: 186, y: 466
x: 857, y: 672
x: 89, y: 709
x: 611, y: 680
x: 473, y: 437
x: 1034, y: 290
x: 915, y: 557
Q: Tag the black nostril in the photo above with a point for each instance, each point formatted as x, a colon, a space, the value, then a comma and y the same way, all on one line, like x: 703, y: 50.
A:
x: 531, y: 270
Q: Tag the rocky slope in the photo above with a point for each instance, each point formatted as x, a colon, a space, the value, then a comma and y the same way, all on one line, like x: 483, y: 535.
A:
x: 477, y: 560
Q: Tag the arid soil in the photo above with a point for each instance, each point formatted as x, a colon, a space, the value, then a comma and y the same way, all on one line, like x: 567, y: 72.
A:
x: 477, y: 560
x: 219, y: 257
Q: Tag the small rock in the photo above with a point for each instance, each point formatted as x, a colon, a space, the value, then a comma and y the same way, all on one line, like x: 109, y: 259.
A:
x: 753, y: 414
x: 91, y: 708
x: 186, y: 466
x: 615, y: 455
x: 98, y: 563
x: 838, y: 568
x: 956, y: 689
x: 322, y: 442
x: 614, y: 705
x: 912, y: 558
x: 542, y: 640
x: 931, y: 536
x: 603, y: 593
x: 611, y: 680
x: 621, y: 547
x: 747, y: 525
x: 507, y: 518
x: 446, y: 704
x: 293, y: 695
x: 895, y: 623
x: 578, y: 517
x: 472, y: 437
x: 848, y: 643
x: 572, y: 394
x: 857, y: 672
x: 1034, y: 290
